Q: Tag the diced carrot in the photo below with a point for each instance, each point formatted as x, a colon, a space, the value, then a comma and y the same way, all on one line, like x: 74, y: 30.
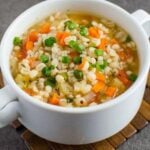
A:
x: 61, y: 36
x: 33, y: 36
x: 94, y: 32
x: 54, y: 99
x: 29, y: 45
x: 100, y: 76
x: 111, y: 91
x: 122, y: 76
x: 45, y: 28
x: 84, y: 60
x: 29, y: 91
x: 103, y: 44
x: 73, y: 54
x: 21, y: 54
x: 99, y: 86
x: 122, y: 55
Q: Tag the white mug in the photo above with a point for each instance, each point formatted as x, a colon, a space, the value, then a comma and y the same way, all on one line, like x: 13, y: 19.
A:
x: 74, y: 125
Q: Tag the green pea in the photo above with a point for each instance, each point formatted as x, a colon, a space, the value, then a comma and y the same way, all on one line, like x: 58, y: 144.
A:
x: 77, y: 60
x: 51, y: 81
x: 66, y: 59
x: 132, y: 77
x: 77, y: 47
x: 46, y: 71
x: 70, y: 25
x: 83, y: 31
x: 99, y: 52
x: 17, y: 41
x: 78, y: 74
x: 101, y: 67
x: 50, y: 41
x: 44, y: 58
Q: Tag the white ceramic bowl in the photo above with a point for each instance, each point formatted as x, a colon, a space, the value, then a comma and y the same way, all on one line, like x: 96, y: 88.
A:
x: 74, y: 125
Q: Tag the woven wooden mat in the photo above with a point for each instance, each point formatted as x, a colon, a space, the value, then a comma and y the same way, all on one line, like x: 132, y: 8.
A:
x: 142, y: 118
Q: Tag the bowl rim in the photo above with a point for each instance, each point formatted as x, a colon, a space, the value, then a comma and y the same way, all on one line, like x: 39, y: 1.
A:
x: 119, y: 99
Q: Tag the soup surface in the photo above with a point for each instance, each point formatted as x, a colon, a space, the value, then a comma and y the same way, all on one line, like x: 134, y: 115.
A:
x: 74, y: 60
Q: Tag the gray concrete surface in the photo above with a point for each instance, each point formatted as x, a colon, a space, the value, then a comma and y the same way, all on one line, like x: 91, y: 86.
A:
x: 9, y: 9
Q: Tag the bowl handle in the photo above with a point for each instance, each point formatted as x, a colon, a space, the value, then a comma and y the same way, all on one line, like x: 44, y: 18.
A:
x: 8, y: 106
x: 144, y: 19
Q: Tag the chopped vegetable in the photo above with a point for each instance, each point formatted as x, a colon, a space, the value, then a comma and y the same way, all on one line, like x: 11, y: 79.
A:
x: 132, y: 77
x: 50, y: 41
x: 46, y: 71
x: 99, y: 86
x: 83, y: 31
x: 77, y: 60
x: 70, y: 25
x: 66, y: 59
x: 61, y: 36
x: 122, y: 76
x: 78, y: 74
x: 78, y: 47
x: 100, y: 76
x: 103, y: 44
x: 45, y: 28
x: 111, y: 91
x: 94, y: 32
x: 17, y: 41
x: 29, y: 91
x: 33, y: 36
x: 44, y: 58
x: 29, y: 45
x: 54, y: 99
x: 51, y: 81
x: 98, y: 52
x: 101, y: 67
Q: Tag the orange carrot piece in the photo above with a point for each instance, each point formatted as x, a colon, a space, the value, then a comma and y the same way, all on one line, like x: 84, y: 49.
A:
x: 99, y: 86
x: 54, y: 99
x: 103, y: 44
x: 29, y: 91
x: 122, y: 76
x: 33, y: 36
x: 100, y: 76
x: 94, y: 32
x: 45, y: 28
x: 84, y: 60
x: 111, y: 91
x: 29, y: 45
x: 21, y: 54
x: 61, y: 36
x: 122, y: 55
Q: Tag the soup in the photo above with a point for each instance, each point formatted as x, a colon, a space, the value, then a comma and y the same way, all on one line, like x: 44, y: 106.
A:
x: 74, y: 60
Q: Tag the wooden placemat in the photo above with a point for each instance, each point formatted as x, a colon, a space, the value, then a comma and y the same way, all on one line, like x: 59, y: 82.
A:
x: 142, y: 118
